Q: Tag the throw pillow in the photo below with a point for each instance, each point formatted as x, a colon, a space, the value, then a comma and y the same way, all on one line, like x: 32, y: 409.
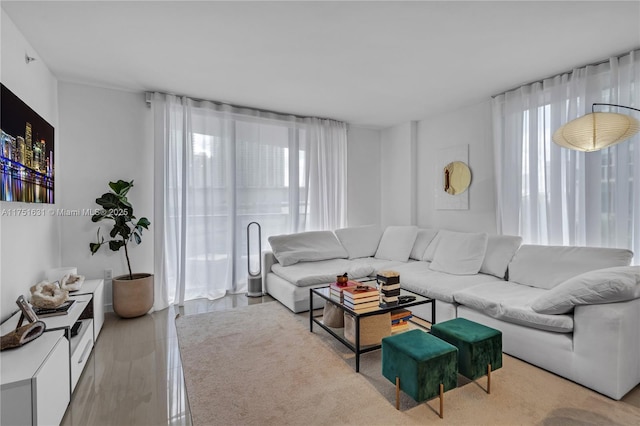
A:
x: 549, y: 266
x: 306, y: 246
x: 500, y: 251
x: 424, y: 237
x: 459, y: 253
x: 608, y: 285
x: 396, y: 243
x: 359, y: 241
x: 431, y: 248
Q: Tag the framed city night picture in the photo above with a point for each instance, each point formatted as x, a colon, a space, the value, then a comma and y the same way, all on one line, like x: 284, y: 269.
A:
x: 26, y: 152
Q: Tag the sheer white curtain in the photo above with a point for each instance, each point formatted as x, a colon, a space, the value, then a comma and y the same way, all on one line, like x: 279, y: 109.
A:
x: 552, y: 195
x: 217, y: 169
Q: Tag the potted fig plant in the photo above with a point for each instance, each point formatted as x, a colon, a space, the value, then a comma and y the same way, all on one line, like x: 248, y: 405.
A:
x: 132, y: 293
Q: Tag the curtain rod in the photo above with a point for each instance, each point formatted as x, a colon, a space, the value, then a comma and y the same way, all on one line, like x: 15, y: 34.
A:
x: 565, y: 72
x: 149, y: 99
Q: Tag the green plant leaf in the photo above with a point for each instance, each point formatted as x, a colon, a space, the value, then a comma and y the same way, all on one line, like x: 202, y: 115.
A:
x: 97, y: 217
x: 137, y: 238
x: 115, y: 244
x: 94, y: 247
x: 121, y: 187
x: 109, y: 201
x: 143, y: 222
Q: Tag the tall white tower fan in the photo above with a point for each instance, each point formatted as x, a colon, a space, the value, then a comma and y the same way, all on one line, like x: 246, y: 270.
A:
x: 254, y: 278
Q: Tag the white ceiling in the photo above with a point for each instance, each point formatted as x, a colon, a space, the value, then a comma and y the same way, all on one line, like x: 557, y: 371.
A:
x: 367, y: 63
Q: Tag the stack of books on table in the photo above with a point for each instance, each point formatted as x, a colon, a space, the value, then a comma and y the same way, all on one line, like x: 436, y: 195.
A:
x: 361, y: 299
x: 52, y: 312
x: 335, y: 290
x: 389, y: 294
x: 399, y: 320
x: 389, y: 284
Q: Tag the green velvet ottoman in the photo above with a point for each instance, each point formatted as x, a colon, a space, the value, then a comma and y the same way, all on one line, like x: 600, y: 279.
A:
x: 421, y: 365
x: 479, y: 347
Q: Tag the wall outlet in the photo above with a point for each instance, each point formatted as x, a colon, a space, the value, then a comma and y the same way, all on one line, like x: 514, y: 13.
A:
x: 108, y: 274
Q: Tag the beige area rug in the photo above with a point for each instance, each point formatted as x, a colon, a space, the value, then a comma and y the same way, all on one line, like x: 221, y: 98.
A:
x: 260, y: 365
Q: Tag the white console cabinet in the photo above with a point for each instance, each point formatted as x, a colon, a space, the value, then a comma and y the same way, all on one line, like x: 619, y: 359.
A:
x: 39, y: 378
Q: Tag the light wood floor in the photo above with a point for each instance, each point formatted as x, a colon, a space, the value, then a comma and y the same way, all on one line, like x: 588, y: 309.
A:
x: 134, y: 374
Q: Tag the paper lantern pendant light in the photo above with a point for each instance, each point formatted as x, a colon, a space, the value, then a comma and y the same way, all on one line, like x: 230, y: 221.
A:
x: 597, y: 130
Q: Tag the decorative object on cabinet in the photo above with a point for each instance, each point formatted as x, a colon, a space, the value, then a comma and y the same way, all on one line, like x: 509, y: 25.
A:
x: 56, y: 274
x: 72, y: 282
x: 22, y: 335
x: 48, y: 295
x: 132, y: 293
x: 26, y: 311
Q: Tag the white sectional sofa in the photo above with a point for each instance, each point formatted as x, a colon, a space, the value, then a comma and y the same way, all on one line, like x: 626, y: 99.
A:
x: 574, y: 311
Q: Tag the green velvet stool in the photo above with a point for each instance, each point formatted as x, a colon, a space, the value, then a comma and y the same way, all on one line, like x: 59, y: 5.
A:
x: 479, y: 347
x: 421, y: 365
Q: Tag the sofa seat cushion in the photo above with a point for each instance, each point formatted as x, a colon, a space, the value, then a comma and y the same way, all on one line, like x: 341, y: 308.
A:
x: 417, y: 277
x: 511, y: 302
x: 305, y: 274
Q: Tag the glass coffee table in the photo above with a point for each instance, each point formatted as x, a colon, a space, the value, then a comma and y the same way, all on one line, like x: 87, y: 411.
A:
x: 338, y: 333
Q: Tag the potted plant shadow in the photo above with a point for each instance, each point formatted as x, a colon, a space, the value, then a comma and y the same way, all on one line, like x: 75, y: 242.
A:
x: 133, y: 292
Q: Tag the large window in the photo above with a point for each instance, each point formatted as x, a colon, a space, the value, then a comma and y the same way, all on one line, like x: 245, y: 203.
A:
x: 223, y: 168
x: 552, y: 195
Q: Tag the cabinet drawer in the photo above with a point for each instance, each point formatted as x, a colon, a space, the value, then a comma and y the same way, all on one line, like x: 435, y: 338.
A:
x: 81, y: 351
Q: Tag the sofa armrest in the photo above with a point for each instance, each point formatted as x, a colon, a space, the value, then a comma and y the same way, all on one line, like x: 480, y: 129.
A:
x: 607, y: 342
x: 268, y: 260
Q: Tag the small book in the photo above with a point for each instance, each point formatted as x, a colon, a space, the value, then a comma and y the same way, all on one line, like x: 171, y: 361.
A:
x: 52, y: 312
x: 359, y: 306
x: 395, y: 292
x: 401, y: 313
x: 388, y: 287
x: 399, y: 327
x: 389, y: 299
x: 364, y: 310
x: 360, y: 291
x: 373, y: 298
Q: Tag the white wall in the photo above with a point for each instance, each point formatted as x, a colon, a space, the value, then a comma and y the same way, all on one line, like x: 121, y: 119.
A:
x: 363, y: 176
x: 29, y: 245
x: 107, y: 136
x: 398, y: 174
x: 470, y: 125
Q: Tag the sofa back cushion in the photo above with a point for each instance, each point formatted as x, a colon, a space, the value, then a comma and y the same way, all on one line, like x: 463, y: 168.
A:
x: 608, y: 285
x: 396, y: 243
x: 548, y: 266
x: 360, y: 241
x: 500, y: 251
x: 423, y: 239
x: 459, y: 253
x: 430, y: 251
x: 306, y: 246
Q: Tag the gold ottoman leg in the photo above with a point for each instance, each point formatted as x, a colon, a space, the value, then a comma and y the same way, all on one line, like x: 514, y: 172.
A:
x: 489, y: 379
x: 441, y: 401
x: 397, y: 393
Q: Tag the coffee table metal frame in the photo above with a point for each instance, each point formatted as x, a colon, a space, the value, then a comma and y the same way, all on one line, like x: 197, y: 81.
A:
x: 324, y: 293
